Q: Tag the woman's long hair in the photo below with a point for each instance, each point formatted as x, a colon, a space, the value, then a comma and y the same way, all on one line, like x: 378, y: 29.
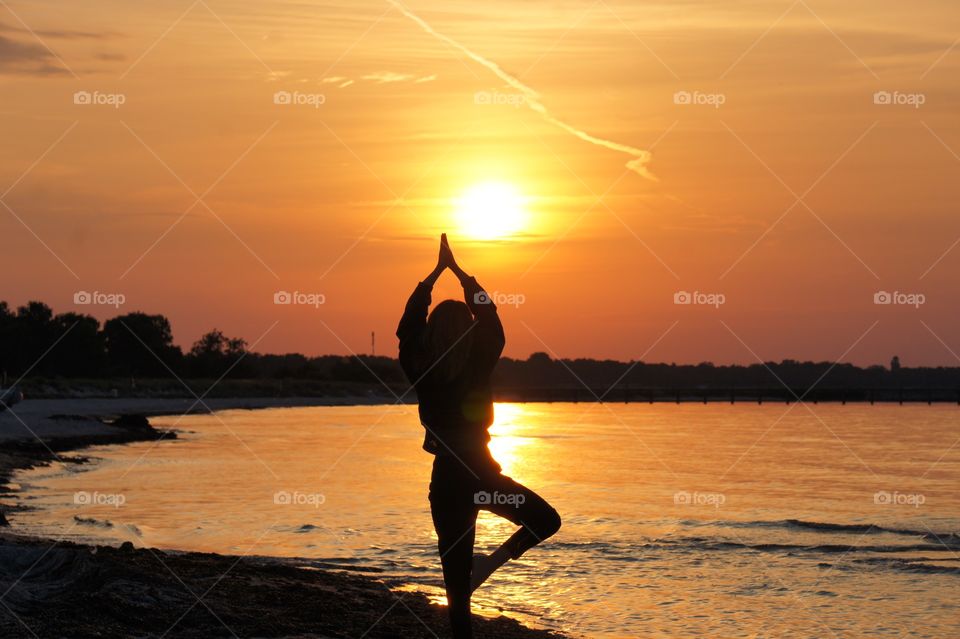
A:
x: 447, y: 341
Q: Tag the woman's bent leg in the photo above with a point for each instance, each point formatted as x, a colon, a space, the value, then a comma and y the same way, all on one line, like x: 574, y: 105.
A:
x: 537, y: 519
x: 517, y: 503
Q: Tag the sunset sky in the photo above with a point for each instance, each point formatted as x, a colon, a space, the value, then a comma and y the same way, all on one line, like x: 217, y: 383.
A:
x: 785, y: 183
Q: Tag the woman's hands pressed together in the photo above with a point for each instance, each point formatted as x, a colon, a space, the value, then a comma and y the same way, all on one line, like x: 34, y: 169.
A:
x: 445, y: 260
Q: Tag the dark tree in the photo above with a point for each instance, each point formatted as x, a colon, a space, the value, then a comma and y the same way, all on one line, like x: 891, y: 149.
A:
x: 34, y: 333
x: 80, y: 352
x: 141, y: 345
x: 215, y: 354
x: 7, y: 325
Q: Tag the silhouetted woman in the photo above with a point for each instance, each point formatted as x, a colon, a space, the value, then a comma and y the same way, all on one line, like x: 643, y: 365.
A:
x: 449, y: 359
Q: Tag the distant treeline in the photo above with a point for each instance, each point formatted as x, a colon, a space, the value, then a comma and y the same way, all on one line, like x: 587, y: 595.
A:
x: 539, y: 370
x: 40, y: 344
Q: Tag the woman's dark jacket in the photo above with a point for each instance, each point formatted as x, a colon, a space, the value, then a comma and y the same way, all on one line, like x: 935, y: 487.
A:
x: 456, y: 414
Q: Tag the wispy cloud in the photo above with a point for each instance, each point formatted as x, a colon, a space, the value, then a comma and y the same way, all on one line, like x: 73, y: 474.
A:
x: 27, y: 58
x: 61, y: 34
x: 383, y: 77
x: 338, y: 80
x: 532, y: 98
x: 24, y: 52
x: 380, y: 77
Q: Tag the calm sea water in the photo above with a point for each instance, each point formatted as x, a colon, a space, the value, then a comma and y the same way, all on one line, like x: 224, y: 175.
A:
x: 679, y: 520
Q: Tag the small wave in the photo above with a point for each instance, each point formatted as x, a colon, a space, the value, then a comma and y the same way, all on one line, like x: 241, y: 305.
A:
x: 90, y: 521
x: 602, y: 546
x: 700, y: 543
x: 297, y: 530
x: 861, y: 529
x: 830, y: 527
x: 305, y: 528
x: 916, y: 565
x: 384, y: 551
x: 350, y: 564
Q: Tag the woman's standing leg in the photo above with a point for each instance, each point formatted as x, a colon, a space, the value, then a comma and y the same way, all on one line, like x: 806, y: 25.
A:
x: 454, y: 518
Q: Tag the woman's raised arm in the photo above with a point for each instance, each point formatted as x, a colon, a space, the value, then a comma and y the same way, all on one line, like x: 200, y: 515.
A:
x: 414, y: 318
x: 489, y: 327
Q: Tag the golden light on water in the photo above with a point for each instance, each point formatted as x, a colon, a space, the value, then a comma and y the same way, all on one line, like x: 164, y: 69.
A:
x: 602, y: 474
x: 505, y: 443
x: 490, y: 210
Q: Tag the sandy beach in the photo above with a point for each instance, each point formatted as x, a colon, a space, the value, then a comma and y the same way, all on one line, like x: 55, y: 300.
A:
x: 54, y: 588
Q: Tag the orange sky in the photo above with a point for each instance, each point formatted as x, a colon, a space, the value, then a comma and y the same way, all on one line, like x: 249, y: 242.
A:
x: 345, y: 198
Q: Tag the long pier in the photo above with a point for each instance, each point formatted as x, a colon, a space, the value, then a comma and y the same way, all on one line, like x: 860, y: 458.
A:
x: 781, y: 395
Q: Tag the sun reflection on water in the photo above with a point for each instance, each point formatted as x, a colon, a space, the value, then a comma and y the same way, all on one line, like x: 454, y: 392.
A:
x: 506, y: 443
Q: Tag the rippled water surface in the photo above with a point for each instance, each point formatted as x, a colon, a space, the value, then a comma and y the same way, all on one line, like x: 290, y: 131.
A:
x: 679, y: 520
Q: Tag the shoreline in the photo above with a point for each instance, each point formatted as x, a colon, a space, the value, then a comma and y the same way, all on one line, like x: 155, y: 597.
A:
x: 374, y: 396
x: 35, y: 431
x: 58, y: 588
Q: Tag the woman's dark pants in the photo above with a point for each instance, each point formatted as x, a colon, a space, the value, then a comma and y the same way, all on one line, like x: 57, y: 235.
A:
x: 460, y: 487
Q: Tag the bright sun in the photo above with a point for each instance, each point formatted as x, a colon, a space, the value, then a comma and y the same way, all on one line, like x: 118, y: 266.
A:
x: 490, y: 210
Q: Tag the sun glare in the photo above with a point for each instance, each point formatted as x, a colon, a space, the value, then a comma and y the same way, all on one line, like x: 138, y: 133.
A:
x: 490, y: 211
x: 505, y: 446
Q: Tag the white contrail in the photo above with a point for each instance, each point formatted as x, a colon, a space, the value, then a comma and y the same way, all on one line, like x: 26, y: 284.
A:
x: 532, y: 98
